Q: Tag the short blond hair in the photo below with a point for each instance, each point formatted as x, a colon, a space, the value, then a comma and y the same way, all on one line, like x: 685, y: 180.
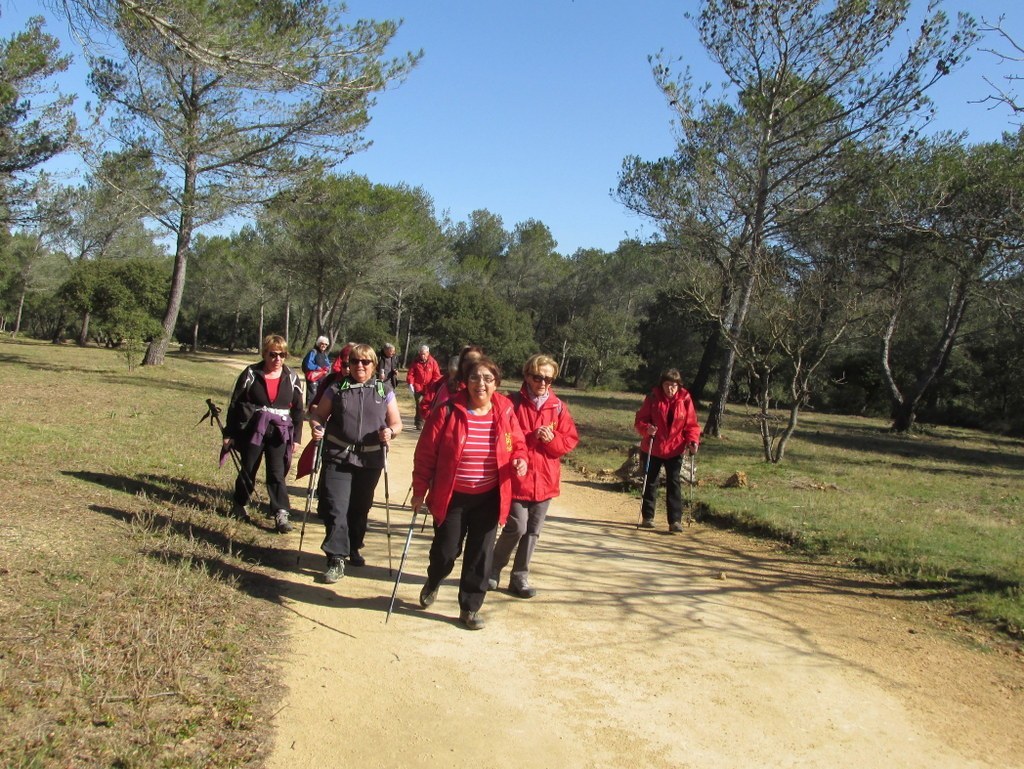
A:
x: 534, y: 363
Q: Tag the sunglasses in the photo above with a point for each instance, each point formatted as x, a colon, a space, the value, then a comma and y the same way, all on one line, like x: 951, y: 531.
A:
x: 272, y: 354
x: 537, y: 378
x: 359, y: 362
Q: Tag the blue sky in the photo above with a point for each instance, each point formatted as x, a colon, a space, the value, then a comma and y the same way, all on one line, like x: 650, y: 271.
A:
x: 528, y: 108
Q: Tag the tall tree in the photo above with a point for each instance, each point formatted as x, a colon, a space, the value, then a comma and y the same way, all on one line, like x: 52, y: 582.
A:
x: 290, y: 90
x: 36, y: 121
x: 804, y: 80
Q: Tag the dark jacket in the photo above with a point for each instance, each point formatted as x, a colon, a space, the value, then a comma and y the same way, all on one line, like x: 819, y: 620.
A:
x: 249, y: 397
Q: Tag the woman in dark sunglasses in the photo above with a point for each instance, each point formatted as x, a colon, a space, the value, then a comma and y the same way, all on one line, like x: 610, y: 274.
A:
x: 264, y: 420
x: 357, y: 416
x: 550, y: 434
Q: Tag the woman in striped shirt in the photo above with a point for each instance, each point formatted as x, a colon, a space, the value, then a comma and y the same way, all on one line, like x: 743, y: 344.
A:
x: 469, y: 449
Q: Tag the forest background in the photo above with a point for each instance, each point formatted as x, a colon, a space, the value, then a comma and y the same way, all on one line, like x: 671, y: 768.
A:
x: 814, y: 246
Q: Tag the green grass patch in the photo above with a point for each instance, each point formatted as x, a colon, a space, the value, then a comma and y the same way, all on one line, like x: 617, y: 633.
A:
x: 137, y: 627
x: 940, y: 508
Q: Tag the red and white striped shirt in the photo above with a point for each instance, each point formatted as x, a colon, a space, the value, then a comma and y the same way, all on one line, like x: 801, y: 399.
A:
x: 477, y: 470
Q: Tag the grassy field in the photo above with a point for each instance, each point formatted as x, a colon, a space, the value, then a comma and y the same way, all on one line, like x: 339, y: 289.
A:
x: 140, y: 622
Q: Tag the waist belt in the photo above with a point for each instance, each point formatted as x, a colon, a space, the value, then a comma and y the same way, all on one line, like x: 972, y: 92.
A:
x: 359, y: 448
x: 283, y: 413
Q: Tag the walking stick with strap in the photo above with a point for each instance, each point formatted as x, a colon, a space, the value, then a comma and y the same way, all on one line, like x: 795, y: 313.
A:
x: 401, y: 563
x: 314, y: 476
x: 387, y: 505
x: 643, y: 489
x: 213, y: 415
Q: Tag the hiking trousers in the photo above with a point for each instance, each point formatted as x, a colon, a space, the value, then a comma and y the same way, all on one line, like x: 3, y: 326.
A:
x: 472, y: 518
x: 521, y: 532
x: 272, y: 453
x: 346, y: 496
x: 673, y: 487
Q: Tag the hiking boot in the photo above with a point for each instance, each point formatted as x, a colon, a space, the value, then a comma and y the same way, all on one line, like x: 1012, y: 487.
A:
x: 335, y: 570
x: 492, y: 584
x: 238, y: 511
x: 647, y: 523
x: 427, y: 595
x: 471, y: 620
x: 354, y: 559
x: 282, y: 523
x: 522, y: 590
x: 675, y: 527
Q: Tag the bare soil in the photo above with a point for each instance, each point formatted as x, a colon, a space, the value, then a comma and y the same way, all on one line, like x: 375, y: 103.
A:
x: 701, y: 649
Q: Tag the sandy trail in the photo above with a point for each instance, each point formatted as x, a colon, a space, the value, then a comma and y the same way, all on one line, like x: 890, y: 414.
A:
x: 705, y: 649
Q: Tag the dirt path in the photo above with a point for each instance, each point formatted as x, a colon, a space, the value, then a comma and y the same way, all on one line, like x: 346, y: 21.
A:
x: 704, y: 649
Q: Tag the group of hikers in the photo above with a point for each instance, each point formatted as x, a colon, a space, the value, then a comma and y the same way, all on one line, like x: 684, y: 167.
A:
x: 483, y: 460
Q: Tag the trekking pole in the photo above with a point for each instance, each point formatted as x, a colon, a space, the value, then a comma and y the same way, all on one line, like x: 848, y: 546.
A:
x: 401, y: 563
x: 314, y: 476
x: 213, y: 415
x: 643, y: 489
x: 691, y: 479
x: 387, y: 505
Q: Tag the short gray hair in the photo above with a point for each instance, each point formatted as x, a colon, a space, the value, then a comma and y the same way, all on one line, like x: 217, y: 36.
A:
x: 323, y: 340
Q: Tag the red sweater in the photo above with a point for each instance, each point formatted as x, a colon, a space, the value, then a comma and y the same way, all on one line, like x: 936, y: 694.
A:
x: 544, y: 460
x: 440, y: 448
x: 422, y: 373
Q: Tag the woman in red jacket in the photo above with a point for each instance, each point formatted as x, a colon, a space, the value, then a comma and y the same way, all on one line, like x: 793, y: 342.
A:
x: 550, y: 433
x: 667, y: 422
x: 467, y: 454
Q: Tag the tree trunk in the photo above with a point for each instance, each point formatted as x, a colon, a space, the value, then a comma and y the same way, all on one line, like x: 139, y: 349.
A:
x: 158, y: 347
x: 712, y: 350
x: 195, y: 335
x: 259, y: 338
x: 17, y: 318
x: 83, y: 334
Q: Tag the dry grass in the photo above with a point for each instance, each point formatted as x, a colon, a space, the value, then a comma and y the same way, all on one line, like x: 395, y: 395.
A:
x: 137, y: 629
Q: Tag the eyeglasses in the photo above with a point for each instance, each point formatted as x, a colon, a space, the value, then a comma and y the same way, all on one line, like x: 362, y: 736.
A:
x: 272, y: 354
x: 359, y: 362
x: 537, y: 378
x: 481, y: 378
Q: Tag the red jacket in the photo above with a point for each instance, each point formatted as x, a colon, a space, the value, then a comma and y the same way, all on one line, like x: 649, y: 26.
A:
x: 422, y: 373
x: 440, y: 448
x: 544, y: 465
x: 668, y: 442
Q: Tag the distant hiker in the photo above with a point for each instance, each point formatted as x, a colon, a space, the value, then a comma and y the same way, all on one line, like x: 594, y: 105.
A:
x: 339, y: 370
x: 550, y: 434
x: 315, y: 366
x: 357, y: 416
x: 463, y: 467
x: 667, y: 425
x: 442, y: 390
x: 264, y: 419
x: 387, y: 365
x: 423, y: 371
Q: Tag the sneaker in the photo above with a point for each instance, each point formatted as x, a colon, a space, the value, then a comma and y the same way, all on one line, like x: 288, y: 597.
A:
x: 522, y: 590
x: 492, y: 584
x: 675, y: 527
x: 647, y: 523
x: 471, y: 620
x: 335, y: 570
x: 238, y: 511
x: 354, y: 559
x: 282, y: 523
x: 427, y: 595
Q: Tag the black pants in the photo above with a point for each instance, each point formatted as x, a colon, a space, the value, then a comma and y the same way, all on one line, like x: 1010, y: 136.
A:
x: 345, y: 499
x: 275, y: 449
x: 473, y: 518
x: 673, y: 488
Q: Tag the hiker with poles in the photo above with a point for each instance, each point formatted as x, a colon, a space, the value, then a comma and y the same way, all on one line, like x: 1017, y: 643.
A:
x: 550, y: 433
x: 423, y: 371
x: 315, y: 366
x: 465, y: 460
x: 264, y: 424
x: 667, y: 424
x: 356, y: 417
